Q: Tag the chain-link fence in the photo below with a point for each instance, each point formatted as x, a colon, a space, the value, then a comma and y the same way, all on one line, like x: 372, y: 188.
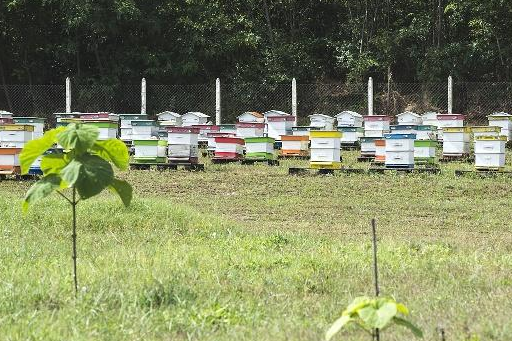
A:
x: 476, y: 100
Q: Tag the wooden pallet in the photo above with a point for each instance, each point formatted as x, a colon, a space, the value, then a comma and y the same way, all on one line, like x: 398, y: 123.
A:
x: 167, y: 166
x: 384, y: 169
x: 253, y: 161
x: 294, y: 157
x: 490, y: 172
x: 456, y: 158
x: 366, y: 158
x: 225, y: 160
x: 323, y: 171
x: 350, y: 146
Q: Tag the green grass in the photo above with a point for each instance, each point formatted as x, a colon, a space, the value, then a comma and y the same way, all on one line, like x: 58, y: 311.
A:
x: 250, y: 253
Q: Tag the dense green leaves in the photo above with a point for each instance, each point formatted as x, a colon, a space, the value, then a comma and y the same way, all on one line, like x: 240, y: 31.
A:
x: 370, y: 314
x: 95, y: 174
x: 78, y: 137
x: 114, y: 151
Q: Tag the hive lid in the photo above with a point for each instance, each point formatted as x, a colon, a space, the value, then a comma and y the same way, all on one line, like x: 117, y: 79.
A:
x: 403, y: 127
x: 259, y: 140
x: 399, y: 136
x: 233, y: 140
x: 456, y: 130
x: 294, y: 138
x: 348, y: 112
x: 485, y: 129
x: 447, y: 117
x: 143, y: 123
x: 426, y: 127
x: 16, y: 127
x: 325, y: 133
x: 490, y: 138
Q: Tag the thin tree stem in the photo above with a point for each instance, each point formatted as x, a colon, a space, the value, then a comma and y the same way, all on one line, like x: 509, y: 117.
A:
x: 375, y: 270
x: 73, y: 204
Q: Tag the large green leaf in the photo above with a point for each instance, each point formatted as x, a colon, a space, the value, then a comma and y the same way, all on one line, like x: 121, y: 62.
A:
x: 95, y: 174
x: 113, y: 150
x: 35, y: 148
x: 368, y: 315
x: 385, y: 313
x: 403, y: 322
x: 53, y: 163
x: 123, y: 189
x: 336, y: 326
x: 357, y: 303
x: 41, y: 189
x: 71, y: 173
x: 79, y: 137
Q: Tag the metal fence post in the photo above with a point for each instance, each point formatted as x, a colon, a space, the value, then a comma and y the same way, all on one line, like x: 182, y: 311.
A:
x: 143, y: 96
x: 450, y: 94
x: 294, y: 100
x: 218, y: 113
x: 68, y: 95
x: 370, y: 96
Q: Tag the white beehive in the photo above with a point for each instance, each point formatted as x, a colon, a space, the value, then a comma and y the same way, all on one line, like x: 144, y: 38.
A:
x: 250, y: 129
x: 325, y: 149
x: 143, y: 129
x: 490, y: 152
x: 251, y: 117
x: 212, y: 136
x: 448, y: 121
x: 502, y: 120
x: 229, y: 148
x: 426, y: 132
x: 350, y: 135
x: 368, y: 147
x: 376, y: 125
x: 403, y: 129
x: 456, y: 141
x: 259, y: 148
x: 205, y: 129
x: 485, y: 131
x: 100, y: 116
x: 409, y: 118
x: 430, y: 118
x: 425, y: 151
x: 321, y: 122
x: 5, y: 114
x: 15, y: 135
x: 192, y: 118
x: 150, y: 151
x: 349, y: 119
x: 36, y: 122
x: 279, y: 125
x: 126, y: 124
x: 400, y: 150
x: 169, y: 118
x: 182, y: 144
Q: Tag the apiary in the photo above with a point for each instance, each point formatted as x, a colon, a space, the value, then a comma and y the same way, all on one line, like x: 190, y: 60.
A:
x: 325, y: 149
x: 376, y: 125
x: 448, y: 121
x: 294, y: 145
x: 350, y: 135
x: 321, y: 122
x: 425, y: 151
x: 15, y: 135
x: 250, y: 129
x: 502, y: 120
x: 403, y: 129
x: 400, y: 150
x: 279, y: 125
x: 182, y: 144
x: 490, y: 152
x: 485, y: 131
x: 107, y: 129
x: 10, y: 160
x: 349, y: 119
x: 456, y: 141
x: 380, y: 150
x: 409, y: 118
x: 229, y: 148
x: 36, y: 122
x: 150, y: 151
x: 426, y: 132
x: 259, y: 148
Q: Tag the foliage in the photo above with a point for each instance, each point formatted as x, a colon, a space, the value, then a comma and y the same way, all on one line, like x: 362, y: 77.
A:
x: 370, y: 314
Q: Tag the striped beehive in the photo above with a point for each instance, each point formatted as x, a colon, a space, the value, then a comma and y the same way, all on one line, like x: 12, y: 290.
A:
x: 425, y: 151
x: 15, y: 135
x: 150, y: 151
x: 350, y: 135
x: 448, y: 121
x: 250, y: 129
x: 229, y: 148
x: 10, y: 160
x: 211, y: 139
x: 325, y: 149
x: 380, y: 150
x: 279, y: 125
x: 36, y: 122
x: 259, y: 148
x: 294, y: 145
x: 504, y: 121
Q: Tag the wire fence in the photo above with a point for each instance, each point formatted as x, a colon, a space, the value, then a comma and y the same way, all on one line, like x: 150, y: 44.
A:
x: 476, y: 100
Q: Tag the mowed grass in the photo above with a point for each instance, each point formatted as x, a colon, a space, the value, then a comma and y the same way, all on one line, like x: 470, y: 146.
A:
x: 250, y: 253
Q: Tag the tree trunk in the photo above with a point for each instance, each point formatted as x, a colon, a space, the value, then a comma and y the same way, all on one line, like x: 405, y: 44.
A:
x: 4, y: 86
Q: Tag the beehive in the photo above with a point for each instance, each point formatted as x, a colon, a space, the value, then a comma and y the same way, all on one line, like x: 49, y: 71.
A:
x: 425, y: 151
x: 143, y: 129
x: 368, y: 147
x: 227, y: 128
x: 107, y: 129
x: 259, y: 148
x: 321, y: 122
x: 9, y: 160
x: 380, y: 150
x: 251, y: 117
x: 349, y: 119
x: 403, y: 129
x: 279, y: 125
x: 169, y: 118
x: 182, y: 144
x: 400, y: 150
x: 229, y: 148
x: 5, y: 114
x: 485, y: 131
x: 193, y: 118
x: 448, y: 121
x: 409, y: 118
x: 294, y: 145
x: 15, y: 135
x: 490, y: 152
x: 430, y: 118
x: 250, y: 129
x: 126, y: 124
x: 456, y: 141
x: 504, y: 121
x: 426, y: 132
x: 301, y: 130
x: 204, y: 129
x: 325, y: 149
x: 350, y: 135
x: 213, y: 136
x: 376, y: 125
x: 36, y: 122
x: 150, y: 151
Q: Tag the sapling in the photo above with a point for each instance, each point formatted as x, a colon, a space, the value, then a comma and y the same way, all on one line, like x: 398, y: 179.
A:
x: 80, y: 171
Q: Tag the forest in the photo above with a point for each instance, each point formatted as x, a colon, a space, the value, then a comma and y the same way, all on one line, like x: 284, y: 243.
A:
x: 265, y: 41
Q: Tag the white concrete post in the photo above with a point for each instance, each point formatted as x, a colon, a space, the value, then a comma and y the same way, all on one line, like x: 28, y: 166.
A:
x: 294, y: 100
x: 370, y: 96
x: 218, y: 118
x: 143, y: 97
x: 450, y: 95
x: 68, y: 95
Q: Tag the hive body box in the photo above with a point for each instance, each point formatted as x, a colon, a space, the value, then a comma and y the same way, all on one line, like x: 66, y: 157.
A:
x: 380, y: 150
x: 325, y: 149
x: 504, y: 121
x: 126, y: 124
x: 279, y: 125
x: 448, y: 121
x: 169, y: 118
x: 321, y: 122
x: 143, y: 129
x: 9, y: 160
x: 213, y: 136
x: 350, y: 135
x: 430, y: 118
x: 485, y: 131
x: 349, y: 119
x: 490, y: 152
x: 250, y: 129
x: 227, y: 128
x: 229, y: 148
x: 400, y: 150
x: 15, y: 135
x: 301, y: 130
x: 259, y: 148
x: 150, y: 151
x: 204, y: 130
x: 426, y: 132
x: 182, y: 144
x: 376, y: 125
x: 36, y: 122
x: 108, y: 130
x: 409, y: 118
x: 456, y: 141
x: 192, y: 118
x: 294, y: 145
x: 368, y: 147
x: 403, y: 129
x: 251, y: 117
x: 425, y: 151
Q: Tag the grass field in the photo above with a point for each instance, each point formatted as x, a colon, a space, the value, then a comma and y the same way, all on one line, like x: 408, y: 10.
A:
x: 250, y: 253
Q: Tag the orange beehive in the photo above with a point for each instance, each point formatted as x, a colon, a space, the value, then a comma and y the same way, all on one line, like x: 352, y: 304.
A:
x: 380, y: 151
x: 9, y: 160
x: 294, y: 145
